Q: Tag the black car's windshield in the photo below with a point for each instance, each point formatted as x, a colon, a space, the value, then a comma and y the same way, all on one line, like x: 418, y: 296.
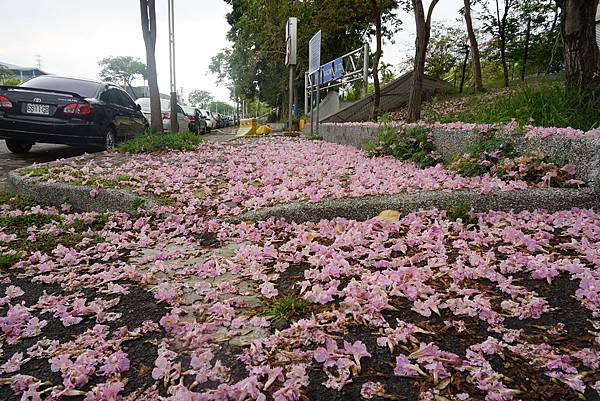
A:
x: 79, y: 86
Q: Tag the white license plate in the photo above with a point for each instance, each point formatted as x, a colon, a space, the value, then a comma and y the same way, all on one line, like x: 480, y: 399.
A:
x: 32, y: 108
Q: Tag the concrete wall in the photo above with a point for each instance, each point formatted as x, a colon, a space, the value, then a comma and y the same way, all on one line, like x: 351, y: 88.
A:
x: 583, y: 152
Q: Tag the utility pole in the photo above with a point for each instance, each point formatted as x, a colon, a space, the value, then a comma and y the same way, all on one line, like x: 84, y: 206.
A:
x: 173, y: 82
x: 38, y: 59
x: 291, y: 30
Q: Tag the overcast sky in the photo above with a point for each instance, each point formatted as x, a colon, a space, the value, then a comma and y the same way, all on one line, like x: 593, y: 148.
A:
x: 71, y: 37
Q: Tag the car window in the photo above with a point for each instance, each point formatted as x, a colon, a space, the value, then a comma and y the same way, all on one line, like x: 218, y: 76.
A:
x: 81, y: 87
x: 125, y: 100
x: 107, y: 97
x: 179, y: 109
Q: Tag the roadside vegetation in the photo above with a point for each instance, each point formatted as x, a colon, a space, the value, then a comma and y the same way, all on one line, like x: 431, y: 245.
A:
x: 541, y: 103
x: 151, y: 141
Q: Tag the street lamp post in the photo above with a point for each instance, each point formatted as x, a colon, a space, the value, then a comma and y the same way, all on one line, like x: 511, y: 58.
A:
x: 173, y: 82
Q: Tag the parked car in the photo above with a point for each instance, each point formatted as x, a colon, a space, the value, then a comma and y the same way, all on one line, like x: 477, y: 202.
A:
x: 62, y: 110
x: 165, y: 111
x: 211, y: 122
x: 218, y: 119
x: 197, y: 123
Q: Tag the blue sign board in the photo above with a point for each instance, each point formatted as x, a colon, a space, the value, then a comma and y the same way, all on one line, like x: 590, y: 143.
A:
x: 338, y: 68
x: 327, y: 71
x: 314, y: 53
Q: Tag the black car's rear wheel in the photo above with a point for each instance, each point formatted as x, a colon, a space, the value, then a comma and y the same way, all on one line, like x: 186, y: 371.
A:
x: 18, y: 147
x: 110, y: 139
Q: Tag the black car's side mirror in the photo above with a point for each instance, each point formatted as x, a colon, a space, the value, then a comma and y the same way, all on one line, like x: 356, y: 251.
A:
x: 138, y: 107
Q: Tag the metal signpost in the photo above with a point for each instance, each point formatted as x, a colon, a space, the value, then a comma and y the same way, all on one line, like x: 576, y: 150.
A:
x: 314, y: 68
x: 291, y: 30
x: 351, y: 67
x: 174, y: 122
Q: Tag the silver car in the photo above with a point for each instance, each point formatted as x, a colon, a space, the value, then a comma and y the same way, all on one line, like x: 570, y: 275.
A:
x: 165, y: 111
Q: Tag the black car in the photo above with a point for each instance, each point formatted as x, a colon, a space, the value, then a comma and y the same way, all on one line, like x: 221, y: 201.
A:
x: 69, y: 111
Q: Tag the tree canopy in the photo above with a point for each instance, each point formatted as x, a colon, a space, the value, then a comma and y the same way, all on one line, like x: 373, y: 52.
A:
x: 257, y: 30
x: 200, y: 98
x: 122, y: 69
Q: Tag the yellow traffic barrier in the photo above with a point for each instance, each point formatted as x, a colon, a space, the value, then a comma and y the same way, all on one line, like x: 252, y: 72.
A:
x: 248, y: 127
x: 264, y: 130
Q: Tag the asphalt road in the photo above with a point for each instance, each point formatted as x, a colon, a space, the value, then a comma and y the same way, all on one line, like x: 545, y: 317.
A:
x: 39, y: 153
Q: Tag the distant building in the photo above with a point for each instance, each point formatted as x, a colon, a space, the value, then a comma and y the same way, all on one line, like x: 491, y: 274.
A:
x: 23, y: 73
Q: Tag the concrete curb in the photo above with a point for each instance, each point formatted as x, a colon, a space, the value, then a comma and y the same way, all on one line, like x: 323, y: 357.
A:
x: 365, y: 208
x: 57, y: 193
x: 583, y: 152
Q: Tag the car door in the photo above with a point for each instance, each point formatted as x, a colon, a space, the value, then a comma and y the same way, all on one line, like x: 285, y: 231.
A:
x: 112, y: 103
x: 136, y: 119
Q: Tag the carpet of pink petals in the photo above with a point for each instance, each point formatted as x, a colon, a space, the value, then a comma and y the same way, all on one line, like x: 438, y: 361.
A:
x: 239, y: 176
x: 420, y: 309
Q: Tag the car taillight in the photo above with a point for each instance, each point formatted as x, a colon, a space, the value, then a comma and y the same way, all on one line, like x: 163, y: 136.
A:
x: 191, y: 118
x: 78, y: 109
x: 5, y: 103
x: 166, y: 116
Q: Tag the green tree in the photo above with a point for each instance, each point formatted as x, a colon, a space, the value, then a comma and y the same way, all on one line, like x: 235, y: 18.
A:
x: 445, y: 51
x: 122, y: 69
x: 13, y: 81
x: 255, y: 63
x: 221, y: 107
x: 5, y: 74
x: 200, y: 98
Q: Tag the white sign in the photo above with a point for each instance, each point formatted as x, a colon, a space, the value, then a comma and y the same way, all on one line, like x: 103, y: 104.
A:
x: 314, y: 53
x: 291, y: 38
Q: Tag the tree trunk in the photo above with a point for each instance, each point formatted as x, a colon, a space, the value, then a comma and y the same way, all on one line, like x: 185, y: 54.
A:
x: 502, y: 34
x: 376, y: 10
x: 474, y: 48
x: 148, y: 14
x: 578, y: 29
x: 464, y: 70
x: 526, y: 50
x: 423, y: 31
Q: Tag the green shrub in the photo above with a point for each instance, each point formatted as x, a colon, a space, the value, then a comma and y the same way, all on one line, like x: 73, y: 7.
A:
x: 482, y: 156
x: 151, y: 142
x: 413, y: 144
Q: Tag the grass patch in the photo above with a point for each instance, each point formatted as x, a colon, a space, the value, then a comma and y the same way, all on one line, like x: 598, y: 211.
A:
x: 462, y: 211
x: 35, y: 171
x: 546, y: 105
x: 150, y: 142
x: 27, y: 220
x: 287, y: 307
x: 16, y: 201
x: 7, y: 261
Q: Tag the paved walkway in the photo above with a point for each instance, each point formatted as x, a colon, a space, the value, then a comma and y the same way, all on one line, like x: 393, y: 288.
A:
x: 44, y: 152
